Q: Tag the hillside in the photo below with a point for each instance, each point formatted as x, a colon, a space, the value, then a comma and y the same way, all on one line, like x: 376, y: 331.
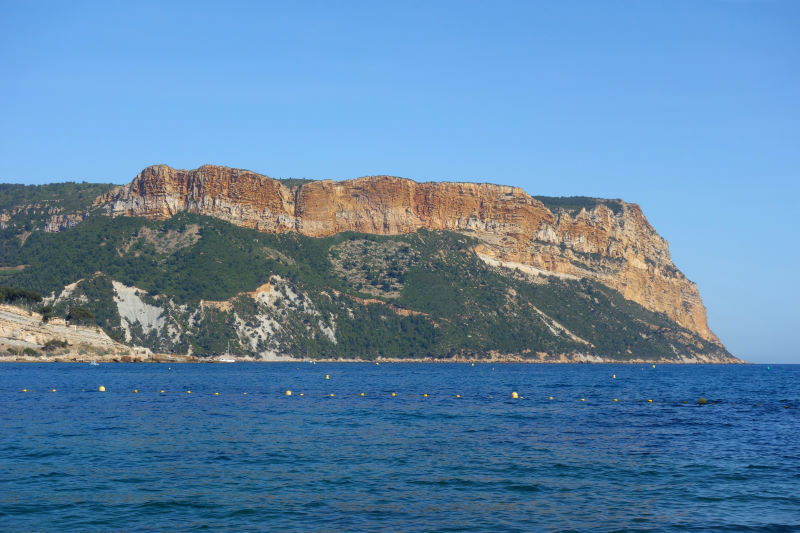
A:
x: 607, y: 241
x: 178, y: 281
x: 25, y: 337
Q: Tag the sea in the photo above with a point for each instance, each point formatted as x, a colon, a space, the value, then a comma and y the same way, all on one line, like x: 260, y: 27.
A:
x: 399, y: 447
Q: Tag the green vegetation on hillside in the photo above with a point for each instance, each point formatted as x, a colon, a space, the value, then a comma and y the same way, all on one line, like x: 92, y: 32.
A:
x: 351, y: 295
x: 29, y: 207
x: 69, y: 196
x: 14, y: 295
x: 373, y: 267
x: 574, y: 204
x: 295, y: 182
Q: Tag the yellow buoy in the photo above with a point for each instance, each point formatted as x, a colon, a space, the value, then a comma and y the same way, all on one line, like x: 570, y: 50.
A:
x: 327, y: 376
x: 162, y: 391
x: 583, y: 399
x: 288, y: 393
x: 244, y: 393
x: 188, y: 392
x: 425, y: 395
x: 649, y: 401
x: 654, y: 366
x: 52, y: 390
x: 616, y: 400
x: 394, y: 394
x: 362, y: 394
x: 551, y: 397
x: 514, y: 395
x: 216, y: 394
x: 101, y: 388
x: 458, y: 396
x: 331, y: 395
x: 24, y: 390
x: 613, y: 376
x: 135, y: 390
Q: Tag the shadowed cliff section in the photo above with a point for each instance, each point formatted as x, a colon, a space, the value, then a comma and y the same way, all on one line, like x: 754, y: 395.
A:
x: 607, y: 241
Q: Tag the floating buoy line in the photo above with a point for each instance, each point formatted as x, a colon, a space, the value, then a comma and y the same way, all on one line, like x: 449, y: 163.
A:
x: 512, y: 395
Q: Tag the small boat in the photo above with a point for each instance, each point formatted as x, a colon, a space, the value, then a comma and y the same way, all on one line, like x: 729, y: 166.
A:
x: 94, y: 363
x: 227, y: 358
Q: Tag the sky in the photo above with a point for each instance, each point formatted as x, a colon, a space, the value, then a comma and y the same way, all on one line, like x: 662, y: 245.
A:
x: 689, y: 108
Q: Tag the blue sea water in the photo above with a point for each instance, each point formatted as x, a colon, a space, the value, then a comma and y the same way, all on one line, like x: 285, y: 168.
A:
x: 253, y: 459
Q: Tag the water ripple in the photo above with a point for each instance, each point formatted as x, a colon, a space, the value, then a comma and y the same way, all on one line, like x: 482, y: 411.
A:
x: 78, y: 460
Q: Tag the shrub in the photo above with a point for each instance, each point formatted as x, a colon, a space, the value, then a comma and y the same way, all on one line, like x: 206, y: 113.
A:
x: 53, y: 344
x: 13, y: 295
x: 79, y: 315
x: 47, y: 313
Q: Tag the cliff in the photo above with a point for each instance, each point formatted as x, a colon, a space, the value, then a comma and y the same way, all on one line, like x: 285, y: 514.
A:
x: 21, y: 330
x: 610, y: 242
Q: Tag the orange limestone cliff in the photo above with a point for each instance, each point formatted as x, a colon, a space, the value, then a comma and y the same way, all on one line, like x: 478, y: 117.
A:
x: 611, y: 242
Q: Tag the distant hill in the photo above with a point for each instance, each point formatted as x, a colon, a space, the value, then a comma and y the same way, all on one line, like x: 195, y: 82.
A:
x: 372, y: 268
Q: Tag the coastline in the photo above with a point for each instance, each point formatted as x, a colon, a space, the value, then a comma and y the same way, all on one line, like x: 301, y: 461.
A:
x: 23, y: 336
x: 180, y: 358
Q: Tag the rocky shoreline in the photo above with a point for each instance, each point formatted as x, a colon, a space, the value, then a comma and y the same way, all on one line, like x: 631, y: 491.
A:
x: 24, y: 338
x: 181, y: 358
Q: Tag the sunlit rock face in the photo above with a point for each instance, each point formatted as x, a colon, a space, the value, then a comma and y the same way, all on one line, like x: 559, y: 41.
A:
x: 610, y: 242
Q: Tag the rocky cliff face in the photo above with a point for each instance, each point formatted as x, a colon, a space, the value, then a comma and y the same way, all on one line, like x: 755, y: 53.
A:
x: 610, y: 242
x: 53, y: 218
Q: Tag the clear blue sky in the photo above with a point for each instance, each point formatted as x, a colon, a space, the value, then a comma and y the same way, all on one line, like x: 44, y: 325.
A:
x: 689, y: 108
